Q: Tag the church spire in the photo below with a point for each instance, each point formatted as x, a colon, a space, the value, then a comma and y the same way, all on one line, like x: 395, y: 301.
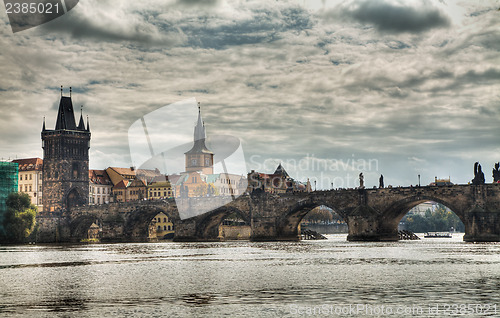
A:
x: 43, y: 127
x: 199, y: 129
x: 88, y: 125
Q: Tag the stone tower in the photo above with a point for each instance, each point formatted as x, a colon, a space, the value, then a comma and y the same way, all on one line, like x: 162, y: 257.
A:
x: 65, y: 160
x: 199, y: 158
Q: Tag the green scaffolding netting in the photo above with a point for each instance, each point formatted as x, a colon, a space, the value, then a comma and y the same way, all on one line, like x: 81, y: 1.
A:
x: 9, y: 172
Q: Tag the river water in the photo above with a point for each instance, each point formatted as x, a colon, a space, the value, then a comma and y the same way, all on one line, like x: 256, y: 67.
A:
x: 328, y: 278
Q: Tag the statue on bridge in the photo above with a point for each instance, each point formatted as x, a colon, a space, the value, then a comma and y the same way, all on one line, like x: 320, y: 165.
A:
x: 496, y: 173
x: 361, y: 181
x: 478, y: 175
x: 381, y: 181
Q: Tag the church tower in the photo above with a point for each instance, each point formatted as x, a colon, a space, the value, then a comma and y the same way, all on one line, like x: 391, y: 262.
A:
x: 199, y: 158
x: 65, y: 160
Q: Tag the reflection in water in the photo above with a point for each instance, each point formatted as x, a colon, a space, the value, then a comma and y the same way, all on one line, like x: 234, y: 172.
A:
x: 243, y: 278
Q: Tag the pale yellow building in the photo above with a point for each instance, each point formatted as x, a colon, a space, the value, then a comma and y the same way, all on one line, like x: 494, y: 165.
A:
x: 30, y: 179
x: 164, y: 226
x: 160, y: 189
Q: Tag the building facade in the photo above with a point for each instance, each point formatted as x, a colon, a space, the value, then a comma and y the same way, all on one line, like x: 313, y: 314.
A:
x: 164, y: 226
x: 160, y: 188
x: 30, y: 179
x: 100, y: 187
x: 278, y: 182
x: 65, y: 160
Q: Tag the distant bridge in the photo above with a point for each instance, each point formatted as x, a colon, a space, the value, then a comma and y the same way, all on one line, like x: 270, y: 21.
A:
x: 371, y: 214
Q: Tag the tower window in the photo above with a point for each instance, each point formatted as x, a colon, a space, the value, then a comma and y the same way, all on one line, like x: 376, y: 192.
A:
x: 207, y: 162
x: 193, y: 162
x: 75, y: 170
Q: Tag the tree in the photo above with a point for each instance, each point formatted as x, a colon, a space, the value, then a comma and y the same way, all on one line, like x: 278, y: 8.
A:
x: 19, y: 221
x: 440, y: 220
x: 319, y: 215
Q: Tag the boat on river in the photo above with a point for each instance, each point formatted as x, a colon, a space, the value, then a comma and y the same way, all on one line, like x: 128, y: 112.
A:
x: 437, y: 235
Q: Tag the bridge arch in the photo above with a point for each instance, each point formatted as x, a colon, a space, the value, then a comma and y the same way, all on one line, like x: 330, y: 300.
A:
x: 288, y: 225
x: 208, y: 227
x: 79, y: 227
x: 399, y: 209
x: 139, y: 224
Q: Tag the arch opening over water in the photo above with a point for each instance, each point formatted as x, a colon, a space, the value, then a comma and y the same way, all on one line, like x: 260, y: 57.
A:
x: 225, y: 223
x: 291, y: 224
x: 431, y: 216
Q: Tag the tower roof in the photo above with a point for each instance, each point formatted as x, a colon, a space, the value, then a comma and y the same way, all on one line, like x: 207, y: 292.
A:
x: 199, y: 129
x: 65, y: 115
x: 199, y: 137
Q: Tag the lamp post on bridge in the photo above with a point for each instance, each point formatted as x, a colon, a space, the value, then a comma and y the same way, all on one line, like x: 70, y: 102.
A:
x: 314, y: 185
x: 419, y: 180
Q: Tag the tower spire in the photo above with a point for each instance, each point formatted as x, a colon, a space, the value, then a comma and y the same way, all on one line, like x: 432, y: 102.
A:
x: 81, y: 124
x: 88, y: 125
x: 43, y: 127
x: 199, y: 129
x: 61, y: 90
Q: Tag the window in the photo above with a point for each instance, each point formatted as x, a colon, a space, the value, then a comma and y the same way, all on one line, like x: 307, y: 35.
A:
x: 30, y: 188
x: 207, y: 162
x: 194, y: 179
x: 164, y: 228
x: 30, y: 176
x: 165, y: 220
x: 98, y: 190
x: 75, y: 170
x: 159, y: 228
x: 165, y: 194
x: 193, y: 162
x: 169, y: 228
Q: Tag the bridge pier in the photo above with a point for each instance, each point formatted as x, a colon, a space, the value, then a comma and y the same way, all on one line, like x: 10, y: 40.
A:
x: 371, y: 230
x: 482, y: 226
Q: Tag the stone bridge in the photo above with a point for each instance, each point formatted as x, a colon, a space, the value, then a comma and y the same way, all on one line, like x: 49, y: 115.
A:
x: 371, y: 214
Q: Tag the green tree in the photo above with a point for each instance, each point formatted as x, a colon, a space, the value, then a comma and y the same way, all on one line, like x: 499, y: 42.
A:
x: 440, y: 220
x: 19, y: 221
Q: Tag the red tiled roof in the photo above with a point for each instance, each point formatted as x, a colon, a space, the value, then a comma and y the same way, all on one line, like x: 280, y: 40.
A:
x: 99, y: 177
x: 121, y: 185
x: 124, y: 171
x: 29, y: 164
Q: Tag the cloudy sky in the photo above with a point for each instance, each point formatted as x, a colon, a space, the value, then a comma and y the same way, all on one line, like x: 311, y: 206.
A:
x: 329, y: 88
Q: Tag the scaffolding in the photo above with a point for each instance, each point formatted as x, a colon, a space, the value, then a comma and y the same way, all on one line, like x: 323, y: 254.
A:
x: 9, y: 176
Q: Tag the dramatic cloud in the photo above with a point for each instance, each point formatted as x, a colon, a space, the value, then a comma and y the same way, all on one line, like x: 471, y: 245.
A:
x: 417, y: 93
x: 392, y: 16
